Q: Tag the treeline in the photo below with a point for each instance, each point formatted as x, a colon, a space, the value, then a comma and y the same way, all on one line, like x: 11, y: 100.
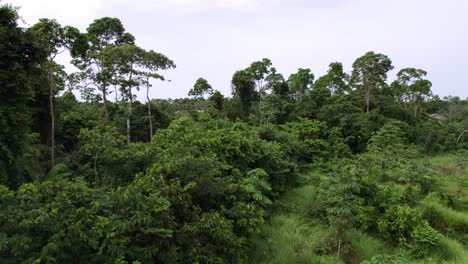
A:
x: 188, y: 180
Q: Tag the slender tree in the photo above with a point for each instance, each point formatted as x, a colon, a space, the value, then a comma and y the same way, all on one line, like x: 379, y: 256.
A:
x: 276, y: 99
x: 259, y: 71
x: 134, y: 67
x: 336, y: 80
x: 243, y: 88
x: 152, y: 63
x: 414, y: 87
x: 88, y: 57
x: 54, y: 39
x: 200, y: 88
x: 370, y: 73
x: 300, y: 82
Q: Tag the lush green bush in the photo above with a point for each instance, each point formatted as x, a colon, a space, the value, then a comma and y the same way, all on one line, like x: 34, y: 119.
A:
x: 53, y: 221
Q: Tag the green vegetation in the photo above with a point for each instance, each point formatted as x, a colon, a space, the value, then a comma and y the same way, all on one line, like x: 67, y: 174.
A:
x: 408, y: 228
x: 346, y: 169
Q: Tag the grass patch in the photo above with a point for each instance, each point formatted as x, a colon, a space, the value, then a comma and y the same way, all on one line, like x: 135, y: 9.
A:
x: 447, y: 167
x: 448, y: 252
x: 364, y: 247
x: 289, y: 239
x: 292, y: 235
x: 445, y: 219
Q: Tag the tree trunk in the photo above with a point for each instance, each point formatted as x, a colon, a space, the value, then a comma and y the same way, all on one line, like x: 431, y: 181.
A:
x: 116, y: 95
x: 367, y: 99
x: 96, y: 177
x: 460, y: 136
x: 340, y: 236
x: 260, y: 102
x: 416, y: 106
x: 269, y: 112
x: 104, y: 98
x: 149, y: 111
x: 129, y: 118
x: 339, y: 247
x: 52, y: 117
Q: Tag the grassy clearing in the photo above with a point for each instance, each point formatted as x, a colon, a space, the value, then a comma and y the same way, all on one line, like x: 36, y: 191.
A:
x: 447, y: 208
x: 290, y: 239
x: 448, y: 167
x: 293, y: 233
x: 449, y: 252
x: 364, y: 247
x: 443, y: 218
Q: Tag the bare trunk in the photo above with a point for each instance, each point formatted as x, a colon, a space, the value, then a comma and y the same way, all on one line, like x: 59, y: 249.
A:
x: 260, y: 102
x: 340, y: 236
x: 103, y: 87
x: 339, y: 247
x: 129, y: 118
x: 367, y: 99
x: 149, y: 111
x: 269, y: 112
x: 96, y: 177
x: 52, y: 119
x: 104, y: 98
x: 116, y: 94
x: 459, y: 137
x: 415, y: 100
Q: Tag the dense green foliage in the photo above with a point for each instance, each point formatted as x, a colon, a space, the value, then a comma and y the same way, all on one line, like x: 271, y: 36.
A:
x: 211, y: 180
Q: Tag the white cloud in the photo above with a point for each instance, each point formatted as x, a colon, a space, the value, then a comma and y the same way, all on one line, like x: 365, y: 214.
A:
x: 70, y: 12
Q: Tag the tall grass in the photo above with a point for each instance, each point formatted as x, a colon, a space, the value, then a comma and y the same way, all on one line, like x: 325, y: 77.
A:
x: 443, y: 218
x: 448, y: 252
x: 450, y: 182
x: 302, y: 201
x: 293, y: 235
x: 289, y: 239
x: 364, y: 247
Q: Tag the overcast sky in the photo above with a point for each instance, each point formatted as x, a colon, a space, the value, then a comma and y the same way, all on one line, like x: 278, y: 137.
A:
x: 214, y: 38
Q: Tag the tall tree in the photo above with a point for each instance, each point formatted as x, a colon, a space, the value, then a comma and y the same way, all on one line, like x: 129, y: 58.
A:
x: 152, y: 63
x: 54, y: 39
x: 217, y: 100
x: 200, y: 88
x: 259, y: 71
x: 20, y: 56
x: 101, y: 33
x: 300, y: 82
x: 134, y: 66
x: 278, y: 97
x: 336, y: 80
x: 414, y: 86
x: 370, y: 73
x: 243, y: 87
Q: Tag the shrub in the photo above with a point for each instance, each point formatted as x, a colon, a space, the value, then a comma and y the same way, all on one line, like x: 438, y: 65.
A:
x: 425, y: 239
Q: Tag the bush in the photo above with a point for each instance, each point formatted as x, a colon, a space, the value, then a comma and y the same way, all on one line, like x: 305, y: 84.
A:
x: 386, y: 259
x: 398, y: 223
x: 425, y: 240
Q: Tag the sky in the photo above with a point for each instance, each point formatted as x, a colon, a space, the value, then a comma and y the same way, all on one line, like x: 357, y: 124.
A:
x: 214, y: 38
